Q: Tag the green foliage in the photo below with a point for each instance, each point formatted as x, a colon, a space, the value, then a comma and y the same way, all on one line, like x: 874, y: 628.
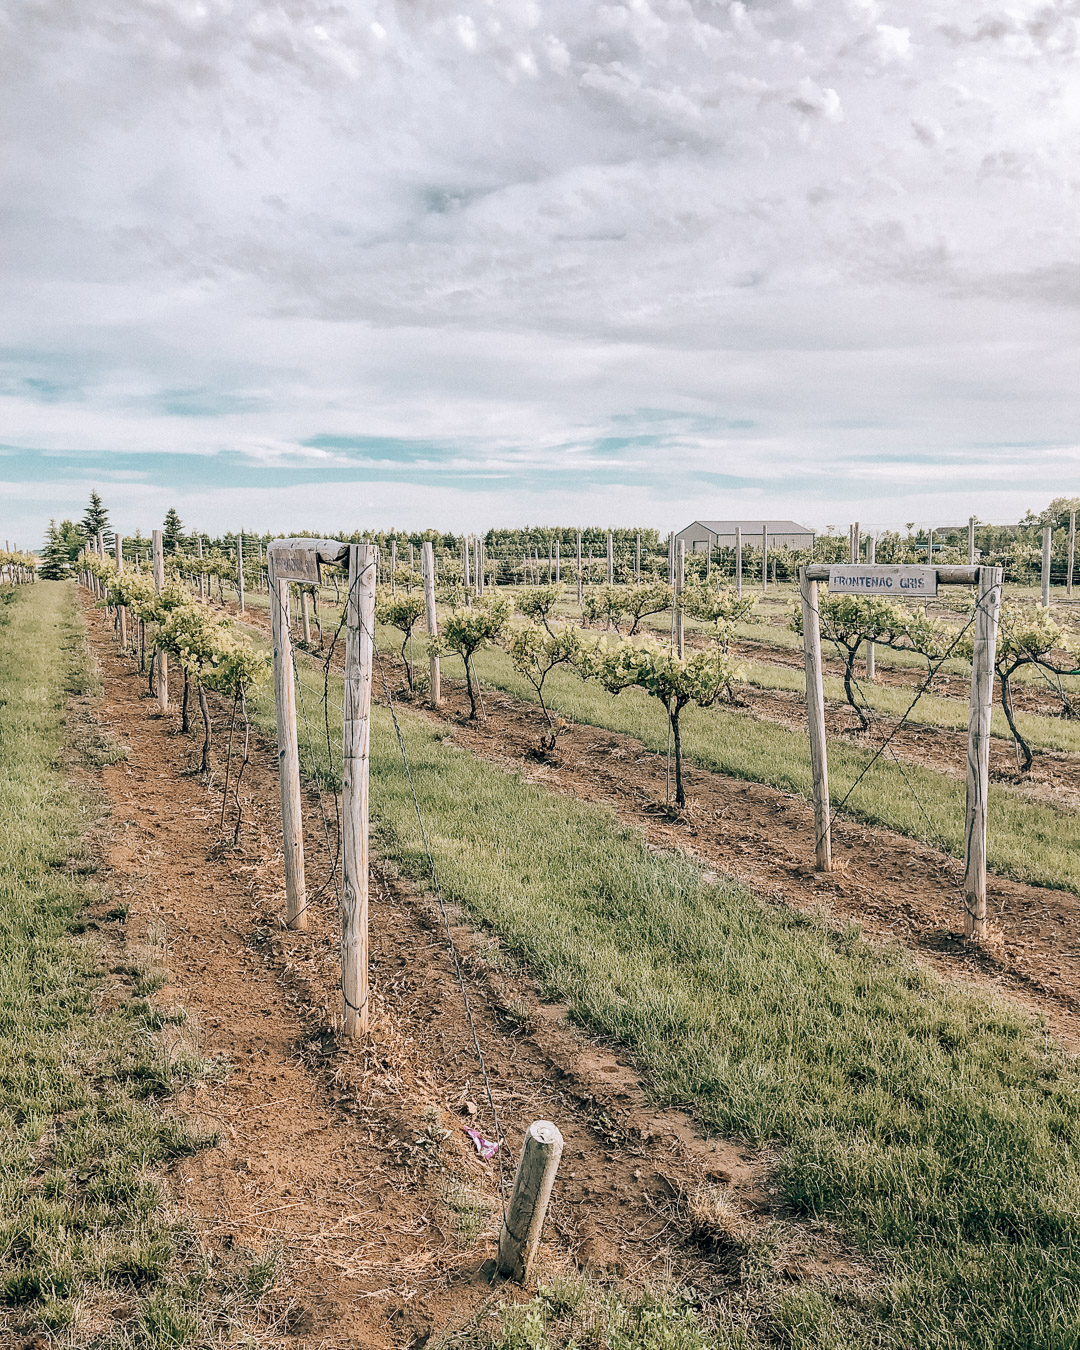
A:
x: 172, y: 531
x: 536, y: 651
x: 95, y: 522
x: 603, y: 604
x: 63, y: 544
x: 721, y: 606
x: 466, y: 631
x: 402, y: 611
x: 638, y: 602
x: 703, y: 678
x: 1029, y: 636
x: 537, y: 603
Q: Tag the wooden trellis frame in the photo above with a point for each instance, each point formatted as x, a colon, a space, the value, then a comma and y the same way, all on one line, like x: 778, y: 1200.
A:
x: 987, y: 581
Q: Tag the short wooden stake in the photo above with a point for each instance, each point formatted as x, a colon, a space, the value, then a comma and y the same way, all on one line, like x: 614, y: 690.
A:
x: 519, y: 1240
x: 162, y: 658
x: 292, y: 824
x: 988, y: 604
x: 1072, y: 552
x: 610, y: 559
x: 240, y: 569
x: 738, y: 560
x: 432, y: 623
x: 680, y: 582
x: 815, y: 716
x: 359, y: 649
x: 1047, y: 540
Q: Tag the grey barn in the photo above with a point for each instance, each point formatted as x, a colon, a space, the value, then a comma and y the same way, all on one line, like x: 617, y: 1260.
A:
x: 721, y: 534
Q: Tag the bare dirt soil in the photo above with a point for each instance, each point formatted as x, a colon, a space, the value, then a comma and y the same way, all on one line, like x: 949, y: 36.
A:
x: 351, y: 1160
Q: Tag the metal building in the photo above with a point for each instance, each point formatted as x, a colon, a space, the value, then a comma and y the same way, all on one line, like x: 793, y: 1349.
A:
x: 721, y: 534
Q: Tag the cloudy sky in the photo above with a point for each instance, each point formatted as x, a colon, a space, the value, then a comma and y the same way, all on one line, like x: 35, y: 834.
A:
x: 316, y: 264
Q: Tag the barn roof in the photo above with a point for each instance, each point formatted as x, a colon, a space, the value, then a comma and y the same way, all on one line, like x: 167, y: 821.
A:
x: 750, y: 526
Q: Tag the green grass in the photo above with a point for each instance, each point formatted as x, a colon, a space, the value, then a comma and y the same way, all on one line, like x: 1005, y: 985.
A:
x: 84, y: 1129
x: 938, y: 1130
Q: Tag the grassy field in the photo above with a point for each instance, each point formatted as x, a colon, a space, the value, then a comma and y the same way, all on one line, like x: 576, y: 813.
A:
x: 935, y: 1130
x: 83, y: 1126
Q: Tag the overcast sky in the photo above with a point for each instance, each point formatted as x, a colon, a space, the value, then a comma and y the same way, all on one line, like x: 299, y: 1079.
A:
x: 317, y: 264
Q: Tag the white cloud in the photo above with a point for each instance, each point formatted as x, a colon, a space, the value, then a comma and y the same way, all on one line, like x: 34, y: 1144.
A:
x: 504, y: 228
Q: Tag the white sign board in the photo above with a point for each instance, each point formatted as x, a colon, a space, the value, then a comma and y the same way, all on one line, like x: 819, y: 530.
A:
x: 883, y: 579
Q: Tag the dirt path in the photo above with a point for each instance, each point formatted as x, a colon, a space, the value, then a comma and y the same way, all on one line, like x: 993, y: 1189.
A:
x: 352, y: 1161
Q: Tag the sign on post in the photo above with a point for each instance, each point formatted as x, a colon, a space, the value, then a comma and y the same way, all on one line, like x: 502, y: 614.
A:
x: 907, y: 583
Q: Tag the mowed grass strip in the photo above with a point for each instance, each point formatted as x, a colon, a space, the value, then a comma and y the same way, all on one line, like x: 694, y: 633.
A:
x: 83, y: 1229
x: 1029, y: 841
x: 937, y: 1129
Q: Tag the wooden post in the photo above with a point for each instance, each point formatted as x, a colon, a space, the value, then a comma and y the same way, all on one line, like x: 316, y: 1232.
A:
x: 871, y: 655
x: 292, y: 835
x: 393, y: 567
x: 680, y: 581
x: 1072, y: 552
x: 738, y: 560
x: 551, y: 561
x: 432, y: 622
x: 305, y: 614
x: 930, y: 545
x: 524, y: 1222
x: 610, y: 559
x: 579, y: 567
x: 988, y: 605
x: 856, y: 543
x: 478, y: 574
x: 162, y: 658
x: 1046, y: 542
x: 708, y: 556
x: 764, y: 558
x: 637, y: 559
x: 359, y: 649
x: 671, y: 560
x: 202, y: 575
x: 465, y: 562
x: 240, y: 569
x: 815, y: 716
x: 119, y: 549
x: 971, y: 541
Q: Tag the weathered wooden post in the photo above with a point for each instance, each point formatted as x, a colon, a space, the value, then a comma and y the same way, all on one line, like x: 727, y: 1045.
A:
x: 1072, y: 552
x: 856, y: 543
x: 815, y: 716
x: 359, y: 649
x: 558, y: 562
x: 465, y: 577
x: 738, y: 560
x: 393, y: 567
x: 971, y: 541
x: 432, y: 623
x: 579, y: 567
x: 930, y: 545
x: 123, y: 614
x: 671, y: 560
x: 292, y: 826
x: 871, y: 558
x: 764, y: 558
x: 202, y: 575
x: 637, y: 559
x: 240, y: 571
x: 162, y: 657
x: 988, y: 606
x: 305, y: 615
x: 680, y: 581
x: 478, y: 574
x: 610, y: 559
x: 1047, y: 540
x: 519, y: 1239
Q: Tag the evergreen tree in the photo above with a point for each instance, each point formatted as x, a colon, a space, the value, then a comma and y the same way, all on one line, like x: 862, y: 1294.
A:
x: 96, y: 521
x: 61, y: 551
x: 173, y: 531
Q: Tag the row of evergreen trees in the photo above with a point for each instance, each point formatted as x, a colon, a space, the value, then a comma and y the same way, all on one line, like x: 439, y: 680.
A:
x: 63, y: 542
